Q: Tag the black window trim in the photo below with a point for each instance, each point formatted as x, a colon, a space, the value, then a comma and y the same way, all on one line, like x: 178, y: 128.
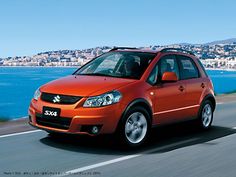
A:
x: 192, y: 61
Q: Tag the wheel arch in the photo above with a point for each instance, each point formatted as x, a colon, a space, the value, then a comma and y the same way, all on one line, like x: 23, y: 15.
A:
x: 137, y: 102
x: 211, y: 98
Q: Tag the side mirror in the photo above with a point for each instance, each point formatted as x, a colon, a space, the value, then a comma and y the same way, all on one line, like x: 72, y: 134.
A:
x: 169, y: 77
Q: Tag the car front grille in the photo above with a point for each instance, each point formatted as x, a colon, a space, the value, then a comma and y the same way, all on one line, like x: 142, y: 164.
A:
x: 59, y: 99
x: 60, y: 123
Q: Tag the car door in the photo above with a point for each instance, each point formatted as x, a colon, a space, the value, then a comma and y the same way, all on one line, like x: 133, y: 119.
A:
x: 195, y: 85
x: 169, y: 97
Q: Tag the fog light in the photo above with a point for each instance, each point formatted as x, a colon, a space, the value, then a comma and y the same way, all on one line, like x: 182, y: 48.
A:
x: 91, y: 129
x: 95, y: 130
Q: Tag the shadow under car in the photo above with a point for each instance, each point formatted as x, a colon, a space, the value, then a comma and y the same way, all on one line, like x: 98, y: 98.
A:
x: 159, y: 137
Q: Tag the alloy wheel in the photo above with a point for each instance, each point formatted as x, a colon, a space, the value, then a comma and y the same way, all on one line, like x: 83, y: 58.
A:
x: 136, y: 127
x: 206, y: 115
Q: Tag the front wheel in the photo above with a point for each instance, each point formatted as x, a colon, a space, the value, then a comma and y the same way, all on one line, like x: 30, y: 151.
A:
x: 134, y: 127
x: 205, y: 117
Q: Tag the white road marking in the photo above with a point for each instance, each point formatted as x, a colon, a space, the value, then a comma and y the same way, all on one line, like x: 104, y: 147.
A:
x: 89, y: 167
x: 20, y: 133
x: 220, y: 103
x: 228, y: 102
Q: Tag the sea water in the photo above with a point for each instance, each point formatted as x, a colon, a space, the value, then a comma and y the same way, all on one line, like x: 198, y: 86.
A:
x: 17, y: 86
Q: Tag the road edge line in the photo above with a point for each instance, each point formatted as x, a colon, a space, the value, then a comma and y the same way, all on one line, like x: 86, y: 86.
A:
x: 20, y: 133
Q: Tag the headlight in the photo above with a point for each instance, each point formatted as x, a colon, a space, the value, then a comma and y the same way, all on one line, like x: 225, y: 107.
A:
x: 103, y: 100
x: 37, y: 94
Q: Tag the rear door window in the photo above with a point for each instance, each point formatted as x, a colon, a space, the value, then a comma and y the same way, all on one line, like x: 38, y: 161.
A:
x: 188, y: 69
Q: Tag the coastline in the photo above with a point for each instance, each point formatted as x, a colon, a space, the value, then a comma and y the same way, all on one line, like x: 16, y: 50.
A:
x: 219, y: 69
x: 40, y: 66
x: 213, y: 69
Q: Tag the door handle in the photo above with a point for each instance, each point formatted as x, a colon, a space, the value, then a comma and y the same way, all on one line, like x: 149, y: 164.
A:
x: 203, y: 85
x: 181, y: 88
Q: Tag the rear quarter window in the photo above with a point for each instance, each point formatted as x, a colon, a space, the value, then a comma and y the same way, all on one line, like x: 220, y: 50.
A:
x: 203, y: 68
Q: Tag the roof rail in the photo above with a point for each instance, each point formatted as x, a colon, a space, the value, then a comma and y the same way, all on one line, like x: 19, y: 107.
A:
x: 176, y: 50
x: 120, y: 48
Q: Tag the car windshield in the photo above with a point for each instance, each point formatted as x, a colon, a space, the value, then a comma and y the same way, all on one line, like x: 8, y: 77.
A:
x: 118, y: 64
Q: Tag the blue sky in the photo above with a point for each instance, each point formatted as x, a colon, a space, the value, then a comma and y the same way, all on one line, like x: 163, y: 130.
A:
x: 31, y: 26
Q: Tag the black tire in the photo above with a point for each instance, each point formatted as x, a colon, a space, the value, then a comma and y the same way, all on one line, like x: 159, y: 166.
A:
x: 121, y: 132
x: 201, y: 118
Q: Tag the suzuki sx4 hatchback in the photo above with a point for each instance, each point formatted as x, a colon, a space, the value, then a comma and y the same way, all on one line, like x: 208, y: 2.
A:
x: 126, y: 91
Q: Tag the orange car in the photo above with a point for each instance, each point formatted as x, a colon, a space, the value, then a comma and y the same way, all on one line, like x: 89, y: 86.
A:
x: 126, y: 91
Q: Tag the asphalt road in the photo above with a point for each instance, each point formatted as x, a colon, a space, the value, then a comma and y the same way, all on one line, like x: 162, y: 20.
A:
x: 172, y: 151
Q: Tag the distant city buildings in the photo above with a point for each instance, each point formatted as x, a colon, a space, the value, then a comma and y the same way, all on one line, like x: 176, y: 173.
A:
x: 220, y: 56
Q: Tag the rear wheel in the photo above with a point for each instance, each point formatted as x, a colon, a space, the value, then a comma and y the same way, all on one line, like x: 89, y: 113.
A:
x: 205, y: 117
x: 134, y: 127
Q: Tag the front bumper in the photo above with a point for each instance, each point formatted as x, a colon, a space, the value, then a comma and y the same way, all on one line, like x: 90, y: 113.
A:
x: 76, y: 119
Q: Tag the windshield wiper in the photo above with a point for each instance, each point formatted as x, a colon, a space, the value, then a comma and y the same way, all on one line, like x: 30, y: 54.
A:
x: 96, y: 74
x: 107, y: 75
x: 128, y: 77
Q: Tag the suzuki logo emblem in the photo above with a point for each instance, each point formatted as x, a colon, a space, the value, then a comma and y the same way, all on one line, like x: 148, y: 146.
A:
x: 56, y: 99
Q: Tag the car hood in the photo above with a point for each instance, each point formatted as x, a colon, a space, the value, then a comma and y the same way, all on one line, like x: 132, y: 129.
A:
x: 84, y: 85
